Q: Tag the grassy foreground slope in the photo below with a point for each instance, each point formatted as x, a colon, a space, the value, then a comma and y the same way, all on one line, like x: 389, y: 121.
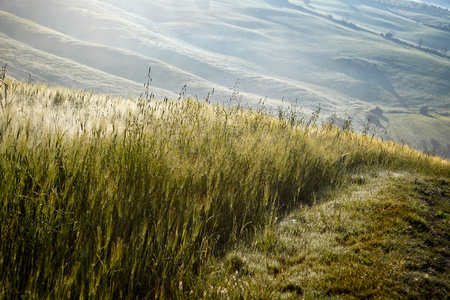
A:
x: 125, y: 198
x: 384, y: 237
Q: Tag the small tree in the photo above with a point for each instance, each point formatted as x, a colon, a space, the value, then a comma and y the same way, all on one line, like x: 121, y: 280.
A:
x: 377, y: 111
x: 424, y: 110
x: 389, y: 35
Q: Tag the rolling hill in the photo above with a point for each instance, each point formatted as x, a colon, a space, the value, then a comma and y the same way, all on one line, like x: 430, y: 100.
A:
x: 350, y: 57
x: 112, y: 198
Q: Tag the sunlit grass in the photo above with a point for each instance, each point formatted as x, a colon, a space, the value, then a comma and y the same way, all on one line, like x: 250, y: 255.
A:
x: 122, y: 198
x: 384, y: 237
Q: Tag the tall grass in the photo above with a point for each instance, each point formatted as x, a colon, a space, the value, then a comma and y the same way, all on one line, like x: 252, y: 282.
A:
x: 125, y: 198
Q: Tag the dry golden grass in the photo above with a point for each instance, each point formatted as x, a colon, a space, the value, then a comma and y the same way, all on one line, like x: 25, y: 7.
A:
x: 122, y: 198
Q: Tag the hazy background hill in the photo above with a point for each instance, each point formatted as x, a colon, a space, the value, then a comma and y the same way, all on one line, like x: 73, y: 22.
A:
x: 374, y: 60
x: 442, y: 3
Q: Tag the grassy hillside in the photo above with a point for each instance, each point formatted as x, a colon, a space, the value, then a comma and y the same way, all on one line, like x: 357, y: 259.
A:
x: 385, y: 236
x: 112, y: 198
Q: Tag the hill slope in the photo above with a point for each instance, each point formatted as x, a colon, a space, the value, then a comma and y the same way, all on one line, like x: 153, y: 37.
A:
x: 113, y: 198
x: 348, y: 56
x: 385, y: 236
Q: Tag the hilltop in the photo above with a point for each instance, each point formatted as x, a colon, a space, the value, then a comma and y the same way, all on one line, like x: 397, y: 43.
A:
x: 350, y: 57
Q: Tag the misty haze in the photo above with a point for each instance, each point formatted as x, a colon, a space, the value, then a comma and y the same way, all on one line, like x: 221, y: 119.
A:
x: 348, y: 56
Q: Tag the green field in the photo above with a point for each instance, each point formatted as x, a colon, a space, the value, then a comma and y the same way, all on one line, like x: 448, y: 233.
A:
x: 114, y: 198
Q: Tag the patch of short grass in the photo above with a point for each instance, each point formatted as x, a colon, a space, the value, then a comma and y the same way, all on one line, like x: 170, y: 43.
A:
x: 387, y: 238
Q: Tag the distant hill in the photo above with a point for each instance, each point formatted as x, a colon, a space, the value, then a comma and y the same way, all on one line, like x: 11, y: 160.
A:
x: 442, y: 3
x: 349, y: 56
